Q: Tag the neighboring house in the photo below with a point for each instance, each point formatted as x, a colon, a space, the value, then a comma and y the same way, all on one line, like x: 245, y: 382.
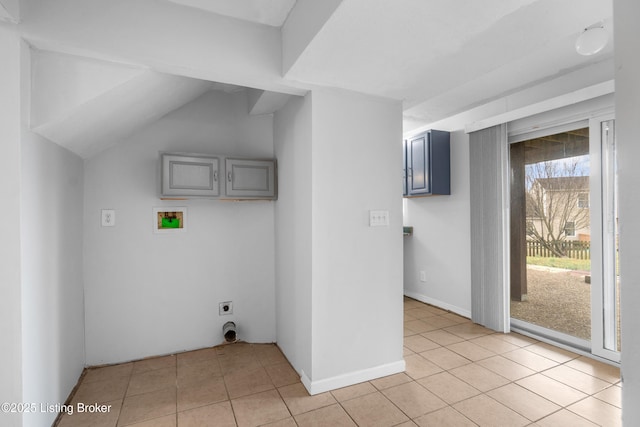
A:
x: 558, y: 209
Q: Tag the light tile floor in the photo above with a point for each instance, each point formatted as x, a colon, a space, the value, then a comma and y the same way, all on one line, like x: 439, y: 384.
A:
x: 458, y: 374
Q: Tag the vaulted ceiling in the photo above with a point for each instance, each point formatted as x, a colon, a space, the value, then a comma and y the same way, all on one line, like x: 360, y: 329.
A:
x: 101, y: 69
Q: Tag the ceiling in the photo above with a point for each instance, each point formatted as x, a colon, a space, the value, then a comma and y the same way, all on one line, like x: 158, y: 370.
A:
x: 442, y: 57
x: 268, y: 12
x: 438, y: 57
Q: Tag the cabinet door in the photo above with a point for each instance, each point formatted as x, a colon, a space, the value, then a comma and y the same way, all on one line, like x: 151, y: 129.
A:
x: 404, y: 170
x: 427, y: 164
x: 439, y: 168
x: 247, y: 178
x: 190, y: 176
x: 418, y: 160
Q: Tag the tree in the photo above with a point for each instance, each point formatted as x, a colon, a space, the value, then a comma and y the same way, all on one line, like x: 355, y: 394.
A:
x: 557, y: 201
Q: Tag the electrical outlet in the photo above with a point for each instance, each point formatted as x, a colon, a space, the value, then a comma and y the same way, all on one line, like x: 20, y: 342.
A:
x: 226, y: 308
x: 108, y: 218
x: 423, y: 276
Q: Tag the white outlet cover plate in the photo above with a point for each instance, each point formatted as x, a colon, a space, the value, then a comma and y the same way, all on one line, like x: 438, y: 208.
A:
x: 108, y: 217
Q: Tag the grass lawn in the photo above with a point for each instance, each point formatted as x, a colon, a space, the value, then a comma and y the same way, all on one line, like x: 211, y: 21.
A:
x: 568, y: 263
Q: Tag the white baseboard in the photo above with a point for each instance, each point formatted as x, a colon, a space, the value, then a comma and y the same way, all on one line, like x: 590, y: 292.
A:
x: 344, y: 380
x: 439, y: 304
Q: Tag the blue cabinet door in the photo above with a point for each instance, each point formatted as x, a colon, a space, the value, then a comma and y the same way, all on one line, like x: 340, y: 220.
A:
x: 418, y: 158
x: 427, y: 164
x: 404, y: 166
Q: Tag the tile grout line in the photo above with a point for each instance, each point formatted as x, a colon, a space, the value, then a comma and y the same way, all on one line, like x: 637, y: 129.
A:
x: 130, y: 375
x: 561, y: 407
x: 469, y: 337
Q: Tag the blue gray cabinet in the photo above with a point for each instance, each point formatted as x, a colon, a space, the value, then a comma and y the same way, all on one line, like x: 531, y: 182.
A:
x: 427, y: 164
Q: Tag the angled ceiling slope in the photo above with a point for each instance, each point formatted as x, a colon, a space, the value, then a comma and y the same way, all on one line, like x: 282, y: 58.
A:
x: 87, y: 106
x: 268, y: 12
x: 9, y: 10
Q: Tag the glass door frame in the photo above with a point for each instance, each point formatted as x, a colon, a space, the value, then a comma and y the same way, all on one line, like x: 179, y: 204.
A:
x: 603, y: 320
x: 603, y: 230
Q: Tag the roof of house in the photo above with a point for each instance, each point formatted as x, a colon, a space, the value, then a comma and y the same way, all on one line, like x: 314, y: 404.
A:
x: 564, y: 183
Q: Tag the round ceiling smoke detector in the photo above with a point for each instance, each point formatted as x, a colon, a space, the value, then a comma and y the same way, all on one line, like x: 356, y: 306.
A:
x: 592, y: 40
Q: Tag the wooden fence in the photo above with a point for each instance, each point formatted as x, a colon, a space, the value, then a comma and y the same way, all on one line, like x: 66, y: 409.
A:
x: 570, y: 248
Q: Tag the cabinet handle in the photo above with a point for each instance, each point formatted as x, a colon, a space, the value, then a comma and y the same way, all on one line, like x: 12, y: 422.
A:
x: 229, y: 176
x: 215, y: 176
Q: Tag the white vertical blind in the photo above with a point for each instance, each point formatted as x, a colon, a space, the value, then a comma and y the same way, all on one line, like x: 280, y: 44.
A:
x: 489, y: 244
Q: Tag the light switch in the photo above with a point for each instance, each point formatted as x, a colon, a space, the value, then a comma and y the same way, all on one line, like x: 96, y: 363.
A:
x: 108, y: 217
x: 378, y: 218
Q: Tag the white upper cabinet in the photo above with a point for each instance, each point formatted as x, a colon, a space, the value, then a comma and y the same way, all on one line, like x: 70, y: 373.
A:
x: 190, y: 175
x: 250, y: 179
x: 199, y: 176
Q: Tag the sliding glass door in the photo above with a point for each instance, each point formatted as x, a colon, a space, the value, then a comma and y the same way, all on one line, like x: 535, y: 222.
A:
x: 563, y: 235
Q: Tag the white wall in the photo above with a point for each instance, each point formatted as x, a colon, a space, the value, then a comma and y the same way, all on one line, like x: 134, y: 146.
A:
x: 627, y: 34
x: 441, y: 237
x: 52, y: 287
x: 292, y: 137
x: 149, y: 294
x: 356, y: 269
x: 339, y: 281
x: 41, y: 294
x: 10, y: 294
